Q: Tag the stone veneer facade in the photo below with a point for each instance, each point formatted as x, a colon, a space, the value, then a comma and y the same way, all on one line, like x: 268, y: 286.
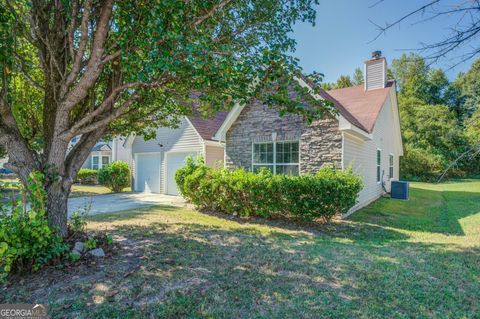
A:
x: 320, y: 142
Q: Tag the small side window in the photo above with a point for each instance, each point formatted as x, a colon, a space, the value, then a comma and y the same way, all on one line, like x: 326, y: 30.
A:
x: 379, y: 164
x: 390, y: 167
x: 95, y: 162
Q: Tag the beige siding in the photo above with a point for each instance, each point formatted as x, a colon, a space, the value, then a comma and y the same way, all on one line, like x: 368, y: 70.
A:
x: 214, y: 156
x: 361, y: 155
x: 181, y: 139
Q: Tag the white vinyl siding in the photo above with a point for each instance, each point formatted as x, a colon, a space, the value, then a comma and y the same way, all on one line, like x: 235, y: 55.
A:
x: 183, y: 139
x: 361, y: 156
x: 375, y: 72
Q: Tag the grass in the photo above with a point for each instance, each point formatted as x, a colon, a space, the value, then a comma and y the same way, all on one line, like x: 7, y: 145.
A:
x: 394, y: 259
x: 77, y: 190
x: 91, y: 190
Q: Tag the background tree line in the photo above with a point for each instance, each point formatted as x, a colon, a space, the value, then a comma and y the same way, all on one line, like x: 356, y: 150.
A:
x: 440, y: 119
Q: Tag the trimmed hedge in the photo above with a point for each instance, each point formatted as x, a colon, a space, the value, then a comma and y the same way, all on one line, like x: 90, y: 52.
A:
x: 87, y: 177
x: 115, y: 176
x: 309, y: 197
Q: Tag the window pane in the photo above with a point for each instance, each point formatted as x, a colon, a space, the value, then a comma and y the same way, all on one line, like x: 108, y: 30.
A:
x: 256, y: 168
x: 378, y: 157
x: 295, y: 157
x: 269, y: 157
x: 269, y: 147
x: 263, y: 153
x: 105, y: 160
x: 287, y: 169
x: 287, y: 152
x: 378, y: 173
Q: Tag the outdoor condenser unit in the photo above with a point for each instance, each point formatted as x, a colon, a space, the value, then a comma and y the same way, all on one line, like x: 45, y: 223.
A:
x: 399, y: 190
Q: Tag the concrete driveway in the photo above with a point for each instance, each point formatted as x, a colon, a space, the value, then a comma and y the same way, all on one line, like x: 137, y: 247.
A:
x: 111, y: 203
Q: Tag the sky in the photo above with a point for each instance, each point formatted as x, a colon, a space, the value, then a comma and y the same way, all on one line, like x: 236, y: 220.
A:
x: 341, y: 39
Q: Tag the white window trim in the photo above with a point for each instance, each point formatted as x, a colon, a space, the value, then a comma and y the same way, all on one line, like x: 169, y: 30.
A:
x: 274, y: 163
x: 391, y: 165
x: 100, y: 163
x: 378, y: 173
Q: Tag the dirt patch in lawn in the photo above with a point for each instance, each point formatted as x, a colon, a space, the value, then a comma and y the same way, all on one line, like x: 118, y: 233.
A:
x: 62, y: 285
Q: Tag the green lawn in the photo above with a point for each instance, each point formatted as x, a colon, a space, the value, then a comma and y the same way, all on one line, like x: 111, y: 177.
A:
x: 91, y: 190
x: 79, y: 190
x: 393, y: 259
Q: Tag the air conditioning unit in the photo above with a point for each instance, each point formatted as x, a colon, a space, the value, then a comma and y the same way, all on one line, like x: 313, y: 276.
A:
x: 399, y: 190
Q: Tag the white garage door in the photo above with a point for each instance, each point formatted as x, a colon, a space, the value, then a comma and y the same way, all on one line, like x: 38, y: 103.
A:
x: 147, y: 168
x: 174, y: 162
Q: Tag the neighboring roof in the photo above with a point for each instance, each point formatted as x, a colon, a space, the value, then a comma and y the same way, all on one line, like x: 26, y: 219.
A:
x: 361, y: 107
x: 101, y: 147
x: 207, y: 127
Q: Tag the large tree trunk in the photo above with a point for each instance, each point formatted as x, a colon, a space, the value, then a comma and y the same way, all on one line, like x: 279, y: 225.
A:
x: 57, y: 207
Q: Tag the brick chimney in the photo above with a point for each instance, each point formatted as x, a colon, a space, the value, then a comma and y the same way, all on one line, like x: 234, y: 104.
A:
x: 375, y: 72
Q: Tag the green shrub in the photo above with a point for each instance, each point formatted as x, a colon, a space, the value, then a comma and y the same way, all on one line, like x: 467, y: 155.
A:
x: 419, y: 164
x: 26, y: 241
x: 308, y: 197
x: 87, y: 177
x: 190, y: 166
x: 115, y: 176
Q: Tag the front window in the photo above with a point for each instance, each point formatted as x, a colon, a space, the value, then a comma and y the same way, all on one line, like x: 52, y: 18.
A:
x: 279, y: 158
x: 95, y: 162
x: 263, y: 156
x: 390, y: 167
x: 379, y: 164
x: 100, y: 161
x: 105, y: 160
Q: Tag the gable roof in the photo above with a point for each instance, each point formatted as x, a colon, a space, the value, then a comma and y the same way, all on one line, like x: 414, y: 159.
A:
x: 101, y: 147
x: 207, y: 127
x: 361, y: 107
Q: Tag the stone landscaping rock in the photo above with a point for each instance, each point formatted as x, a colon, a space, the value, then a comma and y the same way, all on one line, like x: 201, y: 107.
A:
x: 79, y: 246
x: 97, y: 252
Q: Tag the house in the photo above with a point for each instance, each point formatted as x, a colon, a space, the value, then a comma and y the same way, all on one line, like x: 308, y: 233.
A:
x: 155, y: 161
x: 364, y: 135
x: 105, y: 152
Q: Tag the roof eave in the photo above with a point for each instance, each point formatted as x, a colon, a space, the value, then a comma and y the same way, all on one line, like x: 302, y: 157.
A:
x: 345, y: 126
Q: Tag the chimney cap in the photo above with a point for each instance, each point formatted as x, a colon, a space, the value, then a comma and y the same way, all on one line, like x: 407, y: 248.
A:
x: 376, y: 54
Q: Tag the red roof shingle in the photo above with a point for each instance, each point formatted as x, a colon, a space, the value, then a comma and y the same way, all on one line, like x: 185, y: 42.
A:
x: 358, y: 106
x: 208, y: 127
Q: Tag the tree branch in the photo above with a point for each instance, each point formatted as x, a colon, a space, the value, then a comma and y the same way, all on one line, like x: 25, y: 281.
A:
x: 26, y: 75
x: 111, y: 117
x: 210, y: 12
x: 94, y: 66
x: 77, y: 62
x: 72, y: 28
x: 388, y: 26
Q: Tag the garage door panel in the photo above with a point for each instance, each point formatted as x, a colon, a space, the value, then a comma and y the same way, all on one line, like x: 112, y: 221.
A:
x: 147, y: 168
x: 175, y: 161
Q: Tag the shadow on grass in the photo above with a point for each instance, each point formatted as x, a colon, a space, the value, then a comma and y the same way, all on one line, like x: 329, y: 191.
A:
x: 188, y: 270
x: 433, y: 211
x: 353, y: 231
